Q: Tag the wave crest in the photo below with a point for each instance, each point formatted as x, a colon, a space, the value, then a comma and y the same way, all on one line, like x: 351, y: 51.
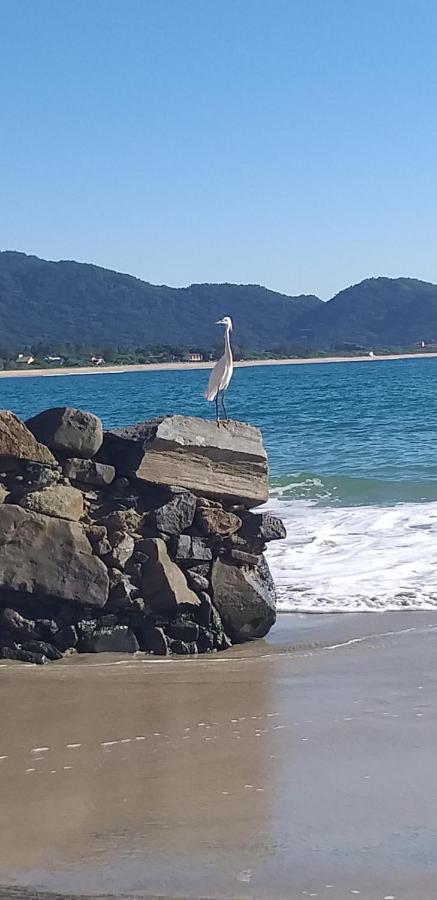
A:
x: 350, y: 490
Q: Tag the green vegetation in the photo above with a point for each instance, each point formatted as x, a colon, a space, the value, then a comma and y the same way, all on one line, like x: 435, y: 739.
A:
x: 76, y: 311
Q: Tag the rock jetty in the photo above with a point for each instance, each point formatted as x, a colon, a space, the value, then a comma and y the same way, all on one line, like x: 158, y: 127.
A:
x: 135, y: 539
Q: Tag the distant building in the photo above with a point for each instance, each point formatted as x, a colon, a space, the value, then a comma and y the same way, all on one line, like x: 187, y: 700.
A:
x: 57, y: 359
x: 24, y: 360
x: 97, y: 361
x: 195, y: 357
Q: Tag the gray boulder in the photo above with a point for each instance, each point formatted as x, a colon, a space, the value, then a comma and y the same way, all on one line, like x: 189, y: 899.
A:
x: 176, y: 515
x: 189, y: 551
x: 163, y: 582
x: 227, y: 463
x: 51, y: 557
x: 69, y: 431
x: 60, y: 500
x: 86, y: 471
x: 262, y: 526
x: 245, y: 599
x: 18, y: 442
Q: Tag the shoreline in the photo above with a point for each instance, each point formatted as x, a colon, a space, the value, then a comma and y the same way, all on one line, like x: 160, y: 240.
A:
x: 270, y: 727
x: 180, y: 366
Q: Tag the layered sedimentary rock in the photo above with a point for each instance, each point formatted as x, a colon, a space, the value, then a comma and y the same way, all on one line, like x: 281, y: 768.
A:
x: 228, y: 464
x: 141, y: 540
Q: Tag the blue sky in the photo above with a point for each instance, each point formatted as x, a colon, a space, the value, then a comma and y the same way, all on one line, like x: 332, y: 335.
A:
x: 291, y: 143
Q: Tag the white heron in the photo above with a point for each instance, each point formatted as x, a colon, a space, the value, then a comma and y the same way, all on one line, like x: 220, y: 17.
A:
x: 222, y: 371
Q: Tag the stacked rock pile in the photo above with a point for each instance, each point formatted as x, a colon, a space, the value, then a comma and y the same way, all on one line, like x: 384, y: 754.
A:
x: 136, y: 539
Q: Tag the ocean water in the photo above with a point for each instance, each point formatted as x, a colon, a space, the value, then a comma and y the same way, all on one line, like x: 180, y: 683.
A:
x: 353, y: 465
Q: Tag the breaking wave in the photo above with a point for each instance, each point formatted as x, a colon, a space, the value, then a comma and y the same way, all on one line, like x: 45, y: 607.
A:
x: 354, y: 544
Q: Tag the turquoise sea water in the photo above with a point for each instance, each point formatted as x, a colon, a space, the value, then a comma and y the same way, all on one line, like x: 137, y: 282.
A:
x: 353, y: 460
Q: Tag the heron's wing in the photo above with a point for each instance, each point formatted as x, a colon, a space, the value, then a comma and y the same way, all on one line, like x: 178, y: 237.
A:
x: 215, y: 379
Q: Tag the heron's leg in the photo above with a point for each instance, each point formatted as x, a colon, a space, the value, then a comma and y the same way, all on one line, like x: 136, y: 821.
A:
x: 224, y: 407
x: 217, y: 415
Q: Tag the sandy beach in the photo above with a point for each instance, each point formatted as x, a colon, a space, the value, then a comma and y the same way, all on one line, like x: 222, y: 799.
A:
x: 179, y: 366
x: 299, y: 766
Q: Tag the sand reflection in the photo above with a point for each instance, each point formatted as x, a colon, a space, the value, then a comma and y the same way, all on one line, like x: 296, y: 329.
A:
x: 113, y: 775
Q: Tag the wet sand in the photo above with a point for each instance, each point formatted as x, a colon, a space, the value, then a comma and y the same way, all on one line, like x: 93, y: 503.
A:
x: 177, y: 366
x: 299, y: 766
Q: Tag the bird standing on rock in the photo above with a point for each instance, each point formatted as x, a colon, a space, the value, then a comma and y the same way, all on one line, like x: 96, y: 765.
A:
x: 222, y: 372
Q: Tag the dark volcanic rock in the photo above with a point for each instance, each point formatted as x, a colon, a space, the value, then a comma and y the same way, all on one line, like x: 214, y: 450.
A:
x: 183, y: 629
x: 17, y: 625
x: 118, y: 639
x: 68, y: 431
x: 43, y: 648
x: 51, y: 557
x: 17, y: 441
x: 263, y: 526
x: 204, y: 614
x: 66, y: 638
x: 245, y: 599
x: 189, y: 551
x: 179, y: 647
x: 222, y: 463
x: 23, y: 655
x: 205, y: 641
x: 176, y: 515
x: 153, y: 640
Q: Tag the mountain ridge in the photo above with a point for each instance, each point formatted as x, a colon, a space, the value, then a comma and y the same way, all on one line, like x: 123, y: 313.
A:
x: 50, y: 302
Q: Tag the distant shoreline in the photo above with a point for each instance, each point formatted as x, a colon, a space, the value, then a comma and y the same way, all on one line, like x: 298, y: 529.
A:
x: 178, y: 366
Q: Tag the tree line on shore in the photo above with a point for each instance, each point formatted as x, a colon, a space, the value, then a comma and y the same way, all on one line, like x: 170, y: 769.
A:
x: 44, y: 356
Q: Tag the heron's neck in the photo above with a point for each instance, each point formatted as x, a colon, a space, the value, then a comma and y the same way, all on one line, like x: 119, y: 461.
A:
x: 228, y: 349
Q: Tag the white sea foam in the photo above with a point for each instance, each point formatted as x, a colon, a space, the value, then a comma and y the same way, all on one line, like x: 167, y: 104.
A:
x: 362, y: 558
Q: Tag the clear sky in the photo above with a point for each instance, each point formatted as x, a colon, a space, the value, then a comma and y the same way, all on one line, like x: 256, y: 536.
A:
x: 291, y: 143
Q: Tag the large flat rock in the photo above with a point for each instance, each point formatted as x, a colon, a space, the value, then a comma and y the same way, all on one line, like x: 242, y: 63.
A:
x: 50, y: 557
x: 227, y: 463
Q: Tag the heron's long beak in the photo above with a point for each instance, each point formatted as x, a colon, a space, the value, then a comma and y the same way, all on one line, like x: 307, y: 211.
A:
x: 220, y: 322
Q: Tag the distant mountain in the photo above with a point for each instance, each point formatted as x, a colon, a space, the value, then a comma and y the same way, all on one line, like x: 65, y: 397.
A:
x: 70, y: 301
x: 380, y: 312
x: 58, y: 302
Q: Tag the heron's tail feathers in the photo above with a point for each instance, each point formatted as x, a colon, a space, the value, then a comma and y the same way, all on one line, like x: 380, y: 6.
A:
x: 210, y: 393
